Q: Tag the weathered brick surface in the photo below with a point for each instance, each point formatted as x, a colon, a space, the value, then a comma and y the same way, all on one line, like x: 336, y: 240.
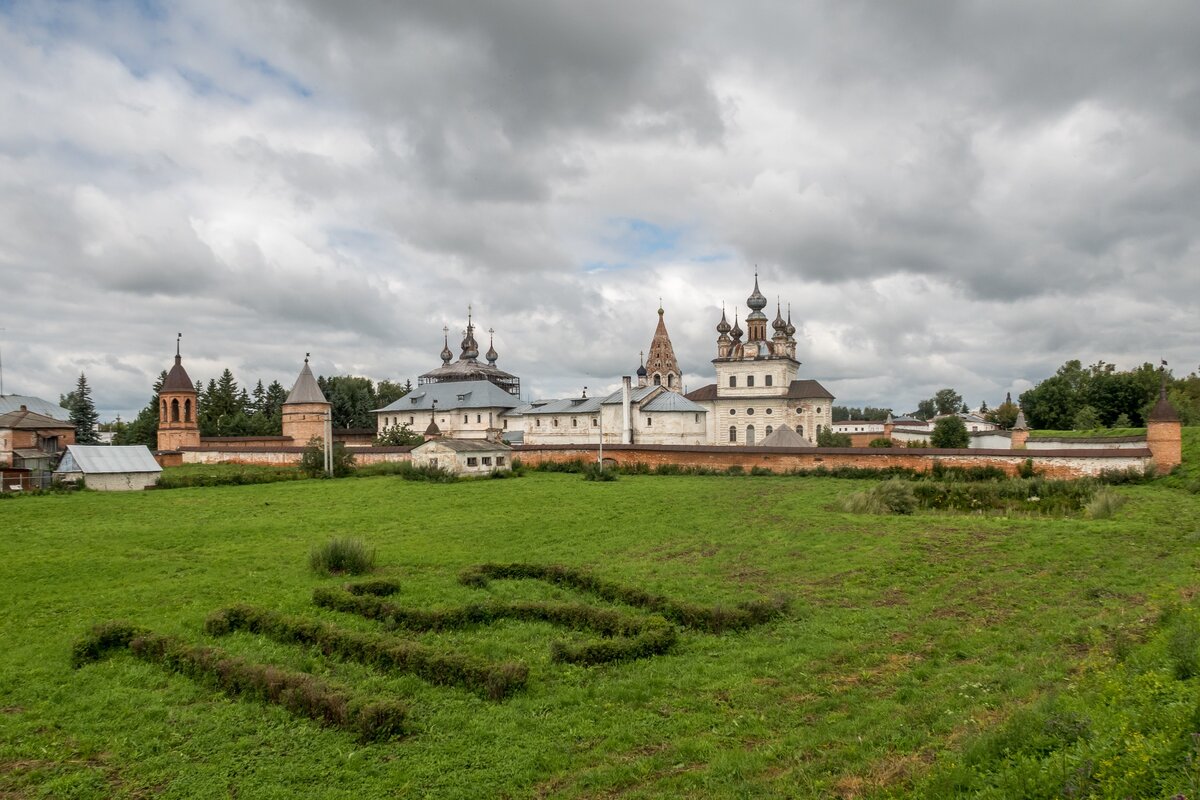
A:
x: 1052, y: 463
x: 1165, y: 440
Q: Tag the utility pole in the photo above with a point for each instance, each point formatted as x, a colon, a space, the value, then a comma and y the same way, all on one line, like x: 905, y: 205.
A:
x: 329, y: 443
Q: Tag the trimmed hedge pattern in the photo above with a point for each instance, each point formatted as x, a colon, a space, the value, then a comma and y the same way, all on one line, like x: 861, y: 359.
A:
x: 493, y: 680
x: 379, y: 588
x: 299, y: 693
x: 715, y: 619
x: 627, y: 637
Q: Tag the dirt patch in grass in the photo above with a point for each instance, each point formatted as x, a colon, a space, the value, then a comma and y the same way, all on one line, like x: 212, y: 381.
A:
x: 893, y: 770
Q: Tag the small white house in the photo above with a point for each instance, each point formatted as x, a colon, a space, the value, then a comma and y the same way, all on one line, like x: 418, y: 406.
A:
x: 107, y: 468
x: 463, y: 456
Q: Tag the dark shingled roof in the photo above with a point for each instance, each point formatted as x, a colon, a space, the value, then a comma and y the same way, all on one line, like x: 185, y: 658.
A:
x: 1163, y: 410
x: 708, y: 392
x: 177, y: 379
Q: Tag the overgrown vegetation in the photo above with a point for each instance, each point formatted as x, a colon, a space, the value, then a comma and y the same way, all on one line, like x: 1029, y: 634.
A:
x: 298, y: 692
x: 342, y: 556
x: 1036, y: 496
x: 223, y: 475
x: 493, y: 680
x: 715, y: 619
x: 628, y: 636
x: 1127, y: 726
x: 312, y: 460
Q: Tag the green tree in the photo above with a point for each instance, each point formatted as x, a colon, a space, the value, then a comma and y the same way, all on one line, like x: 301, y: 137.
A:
x: 398, y: 436
x: 387, y: 393
x: 144, y: 428
x: 1086, y: 419
x: 82, y: 411
x: 947, y: 401
x: 1122, y: 421
x: 1005, y: 414
x: 352, y: 399
x: 926, y: 409
x: 312, y: 460
x: 826, y: 437
x: 950, y: 432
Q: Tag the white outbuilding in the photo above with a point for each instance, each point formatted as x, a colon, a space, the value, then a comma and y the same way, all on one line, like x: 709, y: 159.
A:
x: 463, y: 456
x: 109, y: 469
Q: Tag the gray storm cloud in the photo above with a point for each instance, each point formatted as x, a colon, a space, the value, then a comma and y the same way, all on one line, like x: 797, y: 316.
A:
x: 946, y: 194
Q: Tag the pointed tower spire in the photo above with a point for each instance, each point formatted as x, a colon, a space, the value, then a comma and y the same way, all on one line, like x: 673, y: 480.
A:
x: 661, y: 368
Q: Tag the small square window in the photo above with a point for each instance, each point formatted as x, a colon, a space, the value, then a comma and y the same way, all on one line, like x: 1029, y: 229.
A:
x: 733, y: 381
x: 487, y: 461
x: 749, y: 380
x: 649, y: 422
x: 768, y: 380
x: 499, y: 461
x: 472, y: 461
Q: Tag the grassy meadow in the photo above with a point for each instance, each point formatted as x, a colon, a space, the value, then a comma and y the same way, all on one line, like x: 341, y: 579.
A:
x: 910, y: 646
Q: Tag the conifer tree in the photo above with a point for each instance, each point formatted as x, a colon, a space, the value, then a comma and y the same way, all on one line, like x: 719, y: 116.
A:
x: 83, y: 412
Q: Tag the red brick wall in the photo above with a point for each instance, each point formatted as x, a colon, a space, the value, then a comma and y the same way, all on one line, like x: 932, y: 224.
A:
x: 1051, y: 463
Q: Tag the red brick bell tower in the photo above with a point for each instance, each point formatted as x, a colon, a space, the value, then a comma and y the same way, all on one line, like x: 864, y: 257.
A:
x: 177, y: 411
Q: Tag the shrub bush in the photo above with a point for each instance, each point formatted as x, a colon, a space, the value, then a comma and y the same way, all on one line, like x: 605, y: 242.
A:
x: 895, y: 496
x: 693, y: 615
x: 596, y: 472
x: 298, y: 692
x: 495, y: 681
x: 882, y: 441
x: 950, y: 432
x: 379, y: 588
x: 224, y: 475
x: 342, y: 556
x: 312, y: 461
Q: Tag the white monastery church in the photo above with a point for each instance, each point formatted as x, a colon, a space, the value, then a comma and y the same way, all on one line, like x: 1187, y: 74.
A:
x: 757, y: 394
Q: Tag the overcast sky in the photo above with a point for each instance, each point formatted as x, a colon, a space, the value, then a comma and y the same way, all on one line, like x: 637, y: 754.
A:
x: 957, y: 194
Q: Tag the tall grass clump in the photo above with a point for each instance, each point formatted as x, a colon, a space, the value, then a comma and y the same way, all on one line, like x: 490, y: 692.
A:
x: 1103, y: 504
x: 893, y: 496
x: 342, y: 556
x: 597, y: 472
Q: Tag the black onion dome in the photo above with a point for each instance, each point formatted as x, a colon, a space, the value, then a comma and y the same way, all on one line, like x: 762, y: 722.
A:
x: 736, y: 330
x: 723, y: 326
x: 779, y: 325
x: 756, y: 300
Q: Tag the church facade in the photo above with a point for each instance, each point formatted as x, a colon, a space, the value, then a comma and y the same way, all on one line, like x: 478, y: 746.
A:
x: 757, y: 388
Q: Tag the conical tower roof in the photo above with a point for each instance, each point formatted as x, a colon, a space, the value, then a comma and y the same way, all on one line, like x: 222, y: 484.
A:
x: 1163, y: 411
x: 662, y: 354
x: 305, y: 389
x: 177, y: 379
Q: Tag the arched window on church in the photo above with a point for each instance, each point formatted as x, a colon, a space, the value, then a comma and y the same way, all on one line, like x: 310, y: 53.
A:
x: 657, y: 379
x: 769, y: 429
x: 163, y: 413
x: 749, y: 434
x: 670, y: 381
x: 174, y: 411
x: 187, y: 410
x: 732, y: 433
x: 733, y: 381
x: 800, y: 429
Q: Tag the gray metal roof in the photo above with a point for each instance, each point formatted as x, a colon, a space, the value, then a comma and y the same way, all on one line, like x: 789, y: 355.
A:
x: 13, y: 402
x: 91, y: 459
x: 570, y: 405
x: 453, y: 396
x: 305, y: 390
x: 467, y: 445
x: 673, y: 401
x: 784, y: 436
x: 635, y: 396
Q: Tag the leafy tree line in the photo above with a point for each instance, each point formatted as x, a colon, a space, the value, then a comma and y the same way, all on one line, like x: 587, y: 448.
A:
x: 869, y: 413
x: 1084, y: 398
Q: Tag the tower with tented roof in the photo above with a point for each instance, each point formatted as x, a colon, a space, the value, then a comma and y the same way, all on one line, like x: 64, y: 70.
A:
x: 178, y: 414
x: 661, y: 368
x: 306, y: 409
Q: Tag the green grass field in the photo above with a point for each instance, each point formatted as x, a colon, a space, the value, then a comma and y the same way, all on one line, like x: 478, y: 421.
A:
x: 907, y: 637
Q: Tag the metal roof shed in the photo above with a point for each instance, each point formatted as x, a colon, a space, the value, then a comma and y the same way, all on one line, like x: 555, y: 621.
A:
x: 108, y: 468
